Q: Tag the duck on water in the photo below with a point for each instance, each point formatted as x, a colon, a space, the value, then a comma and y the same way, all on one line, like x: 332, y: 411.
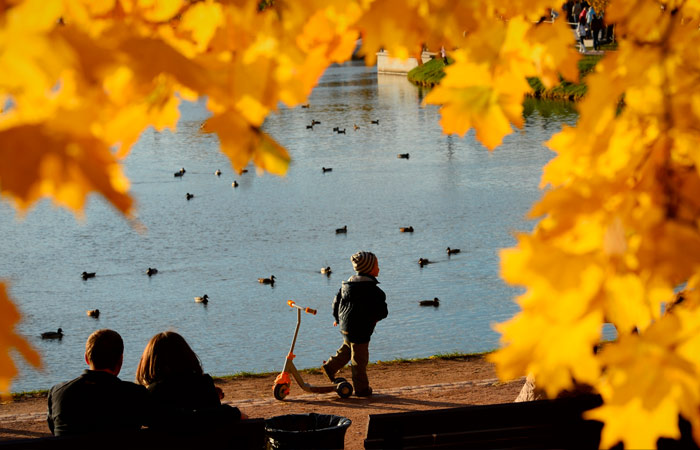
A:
x: 53, y: 334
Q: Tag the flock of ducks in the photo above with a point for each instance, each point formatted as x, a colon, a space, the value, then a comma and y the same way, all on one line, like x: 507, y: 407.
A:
x: 338, y: 130
x: 180, y: 173
x: 204, y: 299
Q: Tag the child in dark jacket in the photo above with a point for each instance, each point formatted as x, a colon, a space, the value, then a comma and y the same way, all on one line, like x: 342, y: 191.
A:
x: 357, y: 307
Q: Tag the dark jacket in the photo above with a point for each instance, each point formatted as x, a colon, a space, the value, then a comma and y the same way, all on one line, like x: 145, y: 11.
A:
x: 358, y: 306
x: 189, y: 402
x: 96, y: 401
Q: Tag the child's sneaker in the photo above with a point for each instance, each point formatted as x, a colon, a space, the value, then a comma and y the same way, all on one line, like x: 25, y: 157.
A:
x: 365, y: 393
x: 328, y: 374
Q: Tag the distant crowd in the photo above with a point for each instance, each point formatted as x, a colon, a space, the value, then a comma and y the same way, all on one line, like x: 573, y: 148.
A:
x: 589, y: 23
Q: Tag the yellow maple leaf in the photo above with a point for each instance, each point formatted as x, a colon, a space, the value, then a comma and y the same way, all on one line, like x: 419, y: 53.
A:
x: 242, y: 143
x: 635, y: 425
x: 9, y: 340
x: 38, y: 161
x: 558, y: 353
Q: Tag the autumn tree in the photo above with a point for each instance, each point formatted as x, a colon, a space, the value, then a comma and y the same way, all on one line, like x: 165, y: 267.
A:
x: 618, y: 223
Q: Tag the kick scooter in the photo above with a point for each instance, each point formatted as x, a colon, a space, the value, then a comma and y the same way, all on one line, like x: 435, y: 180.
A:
x: 283, y: 380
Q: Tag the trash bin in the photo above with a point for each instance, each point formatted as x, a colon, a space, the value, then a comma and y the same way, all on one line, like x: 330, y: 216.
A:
x: 306, y: 431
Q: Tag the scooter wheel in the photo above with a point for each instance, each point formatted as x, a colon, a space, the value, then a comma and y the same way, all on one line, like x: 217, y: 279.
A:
x: 344, y: 389
x: 339, y: 380
x: 280, y: 391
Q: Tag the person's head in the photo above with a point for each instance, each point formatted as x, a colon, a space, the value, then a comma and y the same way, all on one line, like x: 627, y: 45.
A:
x: 104, y: 350
x: 365, y: 262
x: 165, y: 355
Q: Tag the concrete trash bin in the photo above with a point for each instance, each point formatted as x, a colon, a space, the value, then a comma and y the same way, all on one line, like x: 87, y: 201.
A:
x: 306, y: 431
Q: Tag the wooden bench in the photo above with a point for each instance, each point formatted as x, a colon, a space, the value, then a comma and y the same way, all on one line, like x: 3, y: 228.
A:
x: 538, y: 424
x: 246, y: 434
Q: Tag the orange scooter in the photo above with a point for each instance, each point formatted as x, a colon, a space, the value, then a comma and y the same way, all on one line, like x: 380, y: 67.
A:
x: 283, y: 380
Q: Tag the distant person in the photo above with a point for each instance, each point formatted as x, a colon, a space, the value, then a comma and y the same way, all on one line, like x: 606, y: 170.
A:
x: 581, y: 34
x: 576, y: 10
x: 98, y: 401
x: 566, y: 8
x: 596, y: 28
x: 182, y: 394
x: 357, y: 307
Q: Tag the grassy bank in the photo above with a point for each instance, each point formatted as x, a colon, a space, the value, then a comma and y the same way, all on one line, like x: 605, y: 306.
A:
x: 244, y: 375
x: 430, y: 74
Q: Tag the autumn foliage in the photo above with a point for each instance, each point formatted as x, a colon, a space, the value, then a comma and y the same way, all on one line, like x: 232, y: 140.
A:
x: 618, y: 223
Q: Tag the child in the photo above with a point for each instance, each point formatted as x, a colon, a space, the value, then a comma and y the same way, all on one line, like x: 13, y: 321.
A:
x: 357, y: 307
x: 581, y: 33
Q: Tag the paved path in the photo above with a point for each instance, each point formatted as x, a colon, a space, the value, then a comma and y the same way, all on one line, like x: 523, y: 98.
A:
x: 252, y: 402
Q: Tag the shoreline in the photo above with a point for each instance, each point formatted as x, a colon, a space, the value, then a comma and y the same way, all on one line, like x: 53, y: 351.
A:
x: 42, y: 393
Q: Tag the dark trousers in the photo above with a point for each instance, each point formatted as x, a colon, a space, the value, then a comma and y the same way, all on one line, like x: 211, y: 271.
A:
x: 358, y: 355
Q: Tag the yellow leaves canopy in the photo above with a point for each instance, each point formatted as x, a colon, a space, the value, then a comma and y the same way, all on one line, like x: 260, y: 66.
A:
x: 621, y: 205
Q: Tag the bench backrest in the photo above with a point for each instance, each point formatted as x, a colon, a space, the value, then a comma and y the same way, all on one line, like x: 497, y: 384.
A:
x: 538, y: 424
x: 247, y: 434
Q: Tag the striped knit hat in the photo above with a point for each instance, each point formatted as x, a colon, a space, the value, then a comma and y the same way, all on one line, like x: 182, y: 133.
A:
x: 363, y: 262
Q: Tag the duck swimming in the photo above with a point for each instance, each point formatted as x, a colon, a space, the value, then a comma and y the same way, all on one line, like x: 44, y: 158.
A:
x: 189, y: 196
x: 327, y: 169
x: 151, y: 271
x: 93, y: 313
x: 86, y: 275
x: 452, y: 251
x: 403, y: 156
x: 406, y: 229
x: 326, y: 270
x: 341, y: 230
x: 423, y: 261
x: 235, y: 183
x: 203, y: 299
x: 53, y: 334
x: 434, y: 302
x: 217, y: 173
x: 376, y: 122
x: 270, y: 280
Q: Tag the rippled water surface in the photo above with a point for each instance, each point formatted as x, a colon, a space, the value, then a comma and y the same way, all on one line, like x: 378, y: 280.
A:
x: 452, y: 191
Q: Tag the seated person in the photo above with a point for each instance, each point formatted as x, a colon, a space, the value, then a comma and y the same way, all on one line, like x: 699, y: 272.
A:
x: 181, y: 393
x: 97, y: 400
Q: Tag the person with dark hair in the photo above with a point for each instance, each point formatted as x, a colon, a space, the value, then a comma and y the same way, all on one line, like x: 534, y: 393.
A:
x: 357, y: 307
x: 98, y: 400
x: 182, y: 394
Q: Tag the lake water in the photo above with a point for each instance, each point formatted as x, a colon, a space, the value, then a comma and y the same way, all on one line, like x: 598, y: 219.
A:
x: 452, y: 191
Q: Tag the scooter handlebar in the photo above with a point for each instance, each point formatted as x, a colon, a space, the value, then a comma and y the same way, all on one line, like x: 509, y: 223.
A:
x: 307, y: 310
